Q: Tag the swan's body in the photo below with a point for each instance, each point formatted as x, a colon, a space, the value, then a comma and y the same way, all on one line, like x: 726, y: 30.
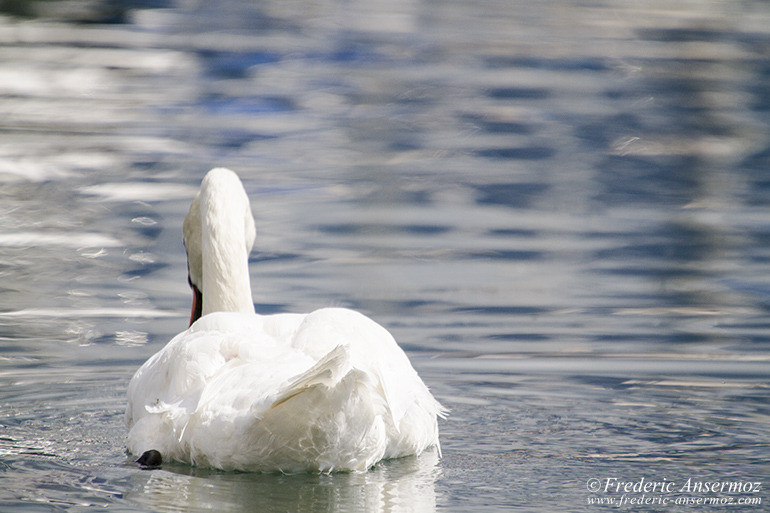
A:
x: 329, y: 390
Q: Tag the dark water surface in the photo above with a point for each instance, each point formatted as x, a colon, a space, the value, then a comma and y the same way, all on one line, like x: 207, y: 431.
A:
x: 561, y: 209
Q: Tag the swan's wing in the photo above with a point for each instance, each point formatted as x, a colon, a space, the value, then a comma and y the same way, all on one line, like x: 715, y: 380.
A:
x: 187, y: 369
x: 373, y: 351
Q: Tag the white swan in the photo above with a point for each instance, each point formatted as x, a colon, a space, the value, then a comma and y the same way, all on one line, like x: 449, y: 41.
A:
x: 325, y: 391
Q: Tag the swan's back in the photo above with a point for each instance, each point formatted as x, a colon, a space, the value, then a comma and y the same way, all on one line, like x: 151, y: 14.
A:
x: 329, y: 390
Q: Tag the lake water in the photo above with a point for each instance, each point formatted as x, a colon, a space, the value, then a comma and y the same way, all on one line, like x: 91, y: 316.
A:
x: 561, y: 209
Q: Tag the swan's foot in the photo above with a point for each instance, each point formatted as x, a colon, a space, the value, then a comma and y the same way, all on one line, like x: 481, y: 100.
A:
x: 150, y: 459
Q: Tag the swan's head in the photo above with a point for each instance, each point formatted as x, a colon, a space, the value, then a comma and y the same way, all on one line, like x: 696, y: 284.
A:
x: 218, y: 234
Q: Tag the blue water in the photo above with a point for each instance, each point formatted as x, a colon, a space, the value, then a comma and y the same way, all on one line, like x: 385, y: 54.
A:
x: 561, y: 210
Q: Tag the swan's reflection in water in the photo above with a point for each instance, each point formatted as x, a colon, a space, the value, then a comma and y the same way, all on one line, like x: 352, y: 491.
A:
x: 406, y: 484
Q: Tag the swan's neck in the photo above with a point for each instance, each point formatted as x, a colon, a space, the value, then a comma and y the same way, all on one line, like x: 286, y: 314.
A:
x: 225, y: 256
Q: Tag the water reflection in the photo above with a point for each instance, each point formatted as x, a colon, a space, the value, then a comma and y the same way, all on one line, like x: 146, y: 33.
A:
x: 407, y: 484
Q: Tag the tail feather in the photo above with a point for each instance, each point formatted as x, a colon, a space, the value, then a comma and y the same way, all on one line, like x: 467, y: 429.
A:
x: 327, y: 372
x: 324, y: 419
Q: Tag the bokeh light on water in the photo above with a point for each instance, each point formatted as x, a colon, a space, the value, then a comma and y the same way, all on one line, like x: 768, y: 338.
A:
x: 559, y: 208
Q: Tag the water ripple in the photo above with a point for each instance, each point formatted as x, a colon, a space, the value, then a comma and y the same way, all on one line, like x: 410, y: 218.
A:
x: 559, y: 210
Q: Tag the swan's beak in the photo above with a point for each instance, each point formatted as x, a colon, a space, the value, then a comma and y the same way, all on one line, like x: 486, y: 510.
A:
x: 197, y: 305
